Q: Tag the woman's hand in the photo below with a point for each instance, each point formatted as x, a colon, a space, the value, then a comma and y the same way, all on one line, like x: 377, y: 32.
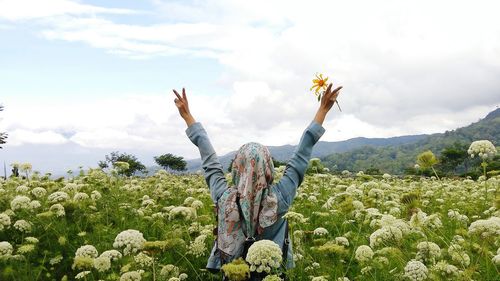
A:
x: 183, y: 107
x: 327, y: 101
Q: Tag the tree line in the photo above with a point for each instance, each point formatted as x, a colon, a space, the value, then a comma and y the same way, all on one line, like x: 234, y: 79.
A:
x: 116, y: 159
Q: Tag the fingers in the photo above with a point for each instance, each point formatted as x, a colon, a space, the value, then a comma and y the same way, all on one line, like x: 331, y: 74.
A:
x: 184, y: 93
x: 337, y: 89
x: 329, y: 88
x: 328, y: 93
x: 177, y: 94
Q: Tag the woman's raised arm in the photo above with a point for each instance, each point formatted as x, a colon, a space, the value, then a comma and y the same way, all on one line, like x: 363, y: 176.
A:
x: 214, y: 174
x: 296, y: 167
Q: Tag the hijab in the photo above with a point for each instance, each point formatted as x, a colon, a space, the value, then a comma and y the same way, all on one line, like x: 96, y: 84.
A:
x: 252, y: 175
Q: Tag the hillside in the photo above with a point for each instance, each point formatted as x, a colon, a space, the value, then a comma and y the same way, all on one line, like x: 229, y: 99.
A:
x: 394, y: 159
x: 321, y: 149
x: 391, y: 155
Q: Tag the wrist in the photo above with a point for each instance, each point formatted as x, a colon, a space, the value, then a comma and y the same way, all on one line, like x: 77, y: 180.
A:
x: 320, y: 116
x: 189, y: 119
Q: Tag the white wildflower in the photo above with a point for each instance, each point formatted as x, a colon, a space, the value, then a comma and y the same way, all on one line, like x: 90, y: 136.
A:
x: 182, y: 212
x: 342, y: 241
x: 385, y: 235
x: 486, y: 228
x: 131, y: 276
x: 320, y: 231
x: 95, y: 195
x: 143, y: 260
x: 264, y: 255
x: 80, y: 196
x: 20, y: 202
x: 23, y: 226
x: 131, y: 239
x: 58, y: 196
x: 39, y: 192
x: 87, y: 251
x: 445, y: 270
x: 4, y: 221
x: 22, y: 189
x: 82, y: 274
x: 363, y: 254
x: 416, y: 271
x: 483, y: 148
x: 58, y: 210
x: 102, y: 264
x: 111, y: 255
x: 6, y: 249
x: 197, y: 247
x: 428, y: 252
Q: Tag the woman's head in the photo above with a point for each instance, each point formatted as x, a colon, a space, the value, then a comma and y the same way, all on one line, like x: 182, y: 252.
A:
x: 250, y: 202
x: 253, y: 165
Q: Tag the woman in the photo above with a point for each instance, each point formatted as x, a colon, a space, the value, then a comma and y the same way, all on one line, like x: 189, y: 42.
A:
x: 251, y: 207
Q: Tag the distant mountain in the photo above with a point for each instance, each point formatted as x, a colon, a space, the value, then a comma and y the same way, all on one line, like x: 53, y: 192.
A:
x: 395, y: 159
x: 321, y: 149
x: 391, y: 155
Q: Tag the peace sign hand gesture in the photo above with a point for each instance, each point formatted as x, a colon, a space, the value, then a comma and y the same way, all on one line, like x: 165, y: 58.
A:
x: 181, y: 102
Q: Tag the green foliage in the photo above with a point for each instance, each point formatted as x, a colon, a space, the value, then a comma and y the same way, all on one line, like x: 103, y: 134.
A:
x: 315, y: 166
x: 341, y: 205
x: 398, y: 159
x: 170, y: 161
x: 134, y: 164
x: 427, y: 159
x: 277, y: 163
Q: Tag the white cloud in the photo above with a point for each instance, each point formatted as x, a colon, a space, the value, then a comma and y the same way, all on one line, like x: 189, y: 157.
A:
x: 407, y: 68
x: 20, y: 137
x: 15, y: 10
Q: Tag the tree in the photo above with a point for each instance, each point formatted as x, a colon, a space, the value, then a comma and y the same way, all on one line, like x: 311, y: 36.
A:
x: 277, y: 163
x: 452, y: 156
x: 427, y: 160
x: 3, y: 135
x: 134, y: 164
x: 170, y: 161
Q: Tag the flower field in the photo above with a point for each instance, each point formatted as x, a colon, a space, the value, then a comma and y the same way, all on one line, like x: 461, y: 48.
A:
x: 98, y: 226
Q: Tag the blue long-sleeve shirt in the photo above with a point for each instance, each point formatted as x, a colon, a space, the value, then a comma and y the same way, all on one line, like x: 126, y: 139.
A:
x: 285, y: 189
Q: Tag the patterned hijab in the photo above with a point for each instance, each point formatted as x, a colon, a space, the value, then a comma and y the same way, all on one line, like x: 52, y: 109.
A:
x: 252, y: 174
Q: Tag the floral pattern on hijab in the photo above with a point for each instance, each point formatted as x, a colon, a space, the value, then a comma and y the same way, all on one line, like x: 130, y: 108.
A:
x: 252, y: 174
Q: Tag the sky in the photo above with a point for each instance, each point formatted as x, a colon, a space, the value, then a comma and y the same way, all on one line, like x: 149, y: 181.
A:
x: 80, y: 79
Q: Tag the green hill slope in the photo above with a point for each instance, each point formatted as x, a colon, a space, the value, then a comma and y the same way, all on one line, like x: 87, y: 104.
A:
x: 395, y: 159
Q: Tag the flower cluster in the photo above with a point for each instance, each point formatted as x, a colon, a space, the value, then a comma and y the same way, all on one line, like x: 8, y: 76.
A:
x: 427, y: 252
x: 20, y: 202
x: 58, y: 196
x: 4, y: 221
x: 102, y: 264
x: 39, y: 192
x: 320, y: 231
x: 363, y: 254
x: 111, y: 255
x: 486, y: 228
x: 416, y: 271
x: 87, y: 251
x: 197, y: 247
x: 385, y: 235
x: 6, y: 249
x: 182, y: 212
x: 131, y: 239
x: 483, y: 148
x: 23, y: 226
x: 445, y: 270
x: 264, y: 255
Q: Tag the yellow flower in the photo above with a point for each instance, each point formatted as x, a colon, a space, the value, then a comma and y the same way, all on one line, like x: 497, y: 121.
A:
x: 319, y: 83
